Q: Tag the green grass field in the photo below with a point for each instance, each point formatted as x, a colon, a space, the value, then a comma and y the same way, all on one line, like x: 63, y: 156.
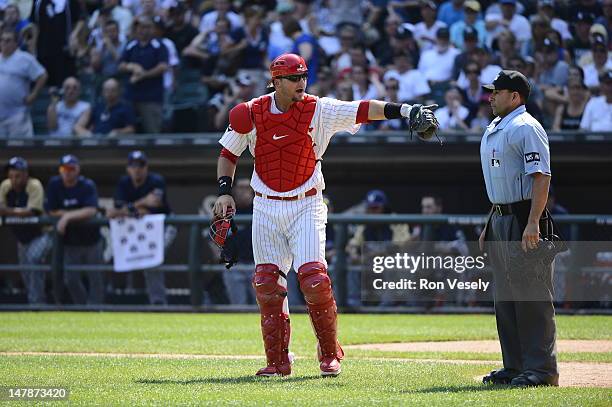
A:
x: 368, y: 377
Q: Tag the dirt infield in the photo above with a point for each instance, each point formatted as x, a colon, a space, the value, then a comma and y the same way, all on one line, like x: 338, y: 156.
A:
x: 597, y: 346
x: 573, y: 374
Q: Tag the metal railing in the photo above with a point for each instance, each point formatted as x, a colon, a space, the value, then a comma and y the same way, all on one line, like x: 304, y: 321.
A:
x: 196, y: 223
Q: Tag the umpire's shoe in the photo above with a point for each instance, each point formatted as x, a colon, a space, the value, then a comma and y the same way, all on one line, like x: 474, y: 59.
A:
x: 528, y: 379
x: 501, y: 376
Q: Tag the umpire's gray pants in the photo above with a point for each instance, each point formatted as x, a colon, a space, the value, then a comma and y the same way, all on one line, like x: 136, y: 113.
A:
x: 34, y: 253
x: 84, y: 255
x: 523, y: 302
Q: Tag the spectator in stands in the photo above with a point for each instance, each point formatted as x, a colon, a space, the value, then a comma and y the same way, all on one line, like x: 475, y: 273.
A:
x: 279, y: 43
x: 345, y: 91
x: 437, y: 64
x: 242, y: 90
x: 145, y: 59
x: 552, y: 70
x: 451, y: 11
x: 55, y: 21
x: 142, y: 192
x: 506, y: 49
x: 581, y: 43
x: 602, y: 61
x: 222, y: 10
x: 453, y: 115
x: 402, y: 41
x: 217, y: 52
x: 413, y: 86
x: 305, y: 45
x: 473, y: 93
x: 606, y: 18
x: 509, y: 19
x: 17, y: 70
x: 569, y: 114
x: 488, y: 70
x: 392, y: 87
x: 150, y: 9
x: 546, y: 8
x: 12, y: 19
x: 73, y: 198
x: 22, y: 196
x: 113, y: 116
x: 426, y: 30
x: 598, y: 111
x: 111, y: 10
x: 238, y: 281
x: 178, y: 29
x: 470, y: 45
x: 105, y: 56
x: 67, y: 115
x: 257, y: 36
x: 471, y: 22
x: 540, y: 28
x: 325, y: 86
x: 597, y: 33
x: 366, y: 85
x: 381, y: 48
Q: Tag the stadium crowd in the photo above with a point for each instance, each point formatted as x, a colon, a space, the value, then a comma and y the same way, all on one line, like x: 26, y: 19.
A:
x: 106, y: 67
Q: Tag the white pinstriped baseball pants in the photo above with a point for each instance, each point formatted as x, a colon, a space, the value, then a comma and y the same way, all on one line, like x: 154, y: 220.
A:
x: 289, y: 232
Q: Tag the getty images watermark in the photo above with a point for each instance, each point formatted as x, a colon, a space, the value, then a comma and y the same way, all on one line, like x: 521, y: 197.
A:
x: 409, y: 263
x: 459, y: 272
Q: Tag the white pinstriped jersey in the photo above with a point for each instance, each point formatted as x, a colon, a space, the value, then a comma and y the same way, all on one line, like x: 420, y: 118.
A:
x: 331, y: 116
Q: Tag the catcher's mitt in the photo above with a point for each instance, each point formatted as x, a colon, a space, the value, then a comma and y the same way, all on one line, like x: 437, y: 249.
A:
x: 424, y: 122
x: 220, y: 234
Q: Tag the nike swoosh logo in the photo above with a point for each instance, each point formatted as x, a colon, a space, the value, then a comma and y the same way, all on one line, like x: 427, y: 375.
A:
x: 224, y: 183
x: 259, y: 284
x: 275, y: 137
x: 315, y: 284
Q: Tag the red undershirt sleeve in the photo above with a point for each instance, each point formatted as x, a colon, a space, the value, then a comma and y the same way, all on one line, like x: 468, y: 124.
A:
x: 225, y: 153
x: 362, y: 112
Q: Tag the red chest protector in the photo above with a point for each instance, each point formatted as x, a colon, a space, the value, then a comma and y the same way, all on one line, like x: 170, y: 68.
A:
x: 284, y: 154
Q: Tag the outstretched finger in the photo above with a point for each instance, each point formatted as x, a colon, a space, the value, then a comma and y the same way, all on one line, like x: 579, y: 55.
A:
x: 431, y: 107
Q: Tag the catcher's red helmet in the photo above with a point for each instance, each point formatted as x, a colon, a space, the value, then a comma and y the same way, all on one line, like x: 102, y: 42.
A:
x: 287, y: 64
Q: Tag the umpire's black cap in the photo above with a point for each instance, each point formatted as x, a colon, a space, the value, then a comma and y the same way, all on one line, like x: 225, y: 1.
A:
x: 510, y: 80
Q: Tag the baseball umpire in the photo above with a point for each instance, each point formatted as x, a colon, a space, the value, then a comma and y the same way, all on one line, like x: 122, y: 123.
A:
x: 515, y: 163
x: 287, y: 132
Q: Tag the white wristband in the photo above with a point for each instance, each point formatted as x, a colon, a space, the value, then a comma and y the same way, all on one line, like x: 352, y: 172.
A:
x: 405, y: 110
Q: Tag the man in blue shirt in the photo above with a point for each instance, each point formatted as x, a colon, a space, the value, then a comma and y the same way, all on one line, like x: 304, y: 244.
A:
x: 145, y: 60
x: 113, y: 116
x: 515, y: 161
x: 74, y: 199
x: 139, y: 193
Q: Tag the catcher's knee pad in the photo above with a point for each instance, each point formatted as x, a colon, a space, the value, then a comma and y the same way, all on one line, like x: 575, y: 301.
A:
x: 275, y: 326
x: 315, y: 284
x: 268, y: 291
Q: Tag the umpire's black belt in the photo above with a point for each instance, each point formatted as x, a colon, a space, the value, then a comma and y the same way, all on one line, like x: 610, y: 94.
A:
x: 512, y: 208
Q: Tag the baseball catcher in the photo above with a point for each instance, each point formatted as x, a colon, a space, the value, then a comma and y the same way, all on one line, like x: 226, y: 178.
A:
x: 287, y: 132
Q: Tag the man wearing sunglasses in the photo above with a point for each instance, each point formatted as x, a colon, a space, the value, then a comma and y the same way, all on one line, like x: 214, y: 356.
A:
x: 515, y: 161
x: 288, y: 131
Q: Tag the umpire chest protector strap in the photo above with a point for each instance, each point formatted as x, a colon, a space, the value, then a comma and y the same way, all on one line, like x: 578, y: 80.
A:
x: 284, y: 154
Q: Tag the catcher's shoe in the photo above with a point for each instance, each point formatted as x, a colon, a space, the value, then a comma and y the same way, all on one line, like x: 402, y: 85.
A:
x: 281, y: 370
x: 330, y: 366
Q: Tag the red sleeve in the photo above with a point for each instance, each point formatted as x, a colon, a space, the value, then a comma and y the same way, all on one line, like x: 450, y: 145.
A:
x: 362, y: 112
x: 225, y: 153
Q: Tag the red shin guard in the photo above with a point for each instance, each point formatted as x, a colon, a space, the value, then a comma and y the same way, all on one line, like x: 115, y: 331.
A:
x: 317, y: 290
x: 275, y: 326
